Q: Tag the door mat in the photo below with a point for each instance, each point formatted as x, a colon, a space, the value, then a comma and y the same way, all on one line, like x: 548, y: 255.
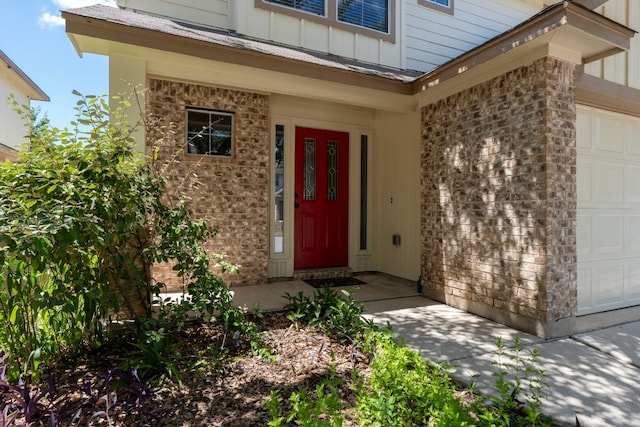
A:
x: 334, y: 281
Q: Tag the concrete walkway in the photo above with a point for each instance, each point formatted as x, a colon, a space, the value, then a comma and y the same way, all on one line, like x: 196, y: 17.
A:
x: 595, y: 375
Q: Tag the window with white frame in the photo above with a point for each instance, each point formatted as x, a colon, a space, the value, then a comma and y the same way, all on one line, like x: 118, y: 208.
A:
x: 370, y: 17
x: 441, y: 5
x: 209, y: 132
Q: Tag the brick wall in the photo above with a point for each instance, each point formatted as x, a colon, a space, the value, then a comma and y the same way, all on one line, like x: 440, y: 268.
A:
x: 7, y: 153
x: 499, y: 197
x: 232, y: 194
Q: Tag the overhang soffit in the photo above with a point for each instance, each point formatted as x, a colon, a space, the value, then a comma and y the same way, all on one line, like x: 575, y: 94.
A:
x: 14, y: 74
x: 568, y: 26
x: 585, y: 34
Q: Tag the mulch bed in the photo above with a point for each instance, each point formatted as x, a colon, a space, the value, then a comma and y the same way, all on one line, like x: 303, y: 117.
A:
x: 227, y: 391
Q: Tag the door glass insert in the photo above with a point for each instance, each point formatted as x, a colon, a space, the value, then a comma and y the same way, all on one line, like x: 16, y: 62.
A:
x: 278, y: 226
x: 309, y: 169
x: 332, y: 170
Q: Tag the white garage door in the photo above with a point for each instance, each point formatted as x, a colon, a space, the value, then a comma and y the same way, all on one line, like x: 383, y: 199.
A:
x: 608, y: 234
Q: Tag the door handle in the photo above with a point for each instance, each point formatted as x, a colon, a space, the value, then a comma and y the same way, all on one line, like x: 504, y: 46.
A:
x: 296, y: 205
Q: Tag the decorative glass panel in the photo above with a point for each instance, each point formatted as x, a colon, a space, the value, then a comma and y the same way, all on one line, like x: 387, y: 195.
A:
x: 332, y: 170
x: 278, y: 226
x: 312, y: 6
x: 373, y: 14
x: 309, y: 169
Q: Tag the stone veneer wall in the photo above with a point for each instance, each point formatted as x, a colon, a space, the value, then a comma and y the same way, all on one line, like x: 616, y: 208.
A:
x: 232, y: 194
x: 499, y: 198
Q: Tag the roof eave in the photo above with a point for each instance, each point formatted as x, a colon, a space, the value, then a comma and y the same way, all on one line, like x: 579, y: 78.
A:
x: 116, y: 32
x: 546, y: 26
x: 33, y: 91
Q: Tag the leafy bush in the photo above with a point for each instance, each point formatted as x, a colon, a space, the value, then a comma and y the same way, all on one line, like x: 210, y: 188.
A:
x: 124, y: 392
x: 336, y: 313
x: 406, y: 390
x: 76, y: 206
x: 84, y: 219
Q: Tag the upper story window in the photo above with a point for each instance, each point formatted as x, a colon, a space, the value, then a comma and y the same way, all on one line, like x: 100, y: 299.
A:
x: 441, y: 5
x: 310, y: 6
x: 373, y: 14
x: 373, y: 18
x: 209, y: 132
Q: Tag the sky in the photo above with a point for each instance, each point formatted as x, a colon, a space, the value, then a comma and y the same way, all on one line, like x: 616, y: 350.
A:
x: 32, y: 35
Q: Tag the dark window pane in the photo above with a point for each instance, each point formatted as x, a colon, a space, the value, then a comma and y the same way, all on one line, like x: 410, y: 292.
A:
x: 209, y: 133
x: 364, y: 177
x: 312, y: 6
x: 373, y: 14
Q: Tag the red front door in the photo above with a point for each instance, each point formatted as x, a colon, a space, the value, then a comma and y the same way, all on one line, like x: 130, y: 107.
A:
x: 321, y: 198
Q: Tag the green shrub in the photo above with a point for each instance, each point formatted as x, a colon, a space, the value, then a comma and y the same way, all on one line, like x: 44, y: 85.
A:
x: 74, y: 211
x: 406, y: 390
x: 336, y: 313
x: 84, y: 218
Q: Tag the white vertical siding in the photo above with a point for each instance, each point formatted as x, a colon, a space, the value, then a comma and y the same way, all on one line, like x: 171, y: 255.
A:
x: 281, y: 30
x: 12, y: 128
x: 343, y: 43
x: 434, y: 38
x: 615, y: 67
x: 595, y: 68
x: 315, y: 36
x: 294, y: 31
x: 424, y: 37
x: 624, y: 67
x: 213, y: 13
x: 634, y: 53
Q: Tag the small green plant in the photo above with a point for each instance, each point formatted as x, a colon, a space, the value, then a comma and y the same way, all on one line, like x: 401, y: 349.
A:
x: 406, y: 390
x: 336, y: 313
x: 154, y: 353
x: 520, y: 383
x: 255, y: 312
x: 296, y: 316
x: 321, y: 408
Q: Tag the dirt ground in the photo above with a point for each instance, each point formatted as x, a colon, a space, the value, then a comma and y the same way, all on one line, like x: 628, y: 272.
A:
x: 221, y: 382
